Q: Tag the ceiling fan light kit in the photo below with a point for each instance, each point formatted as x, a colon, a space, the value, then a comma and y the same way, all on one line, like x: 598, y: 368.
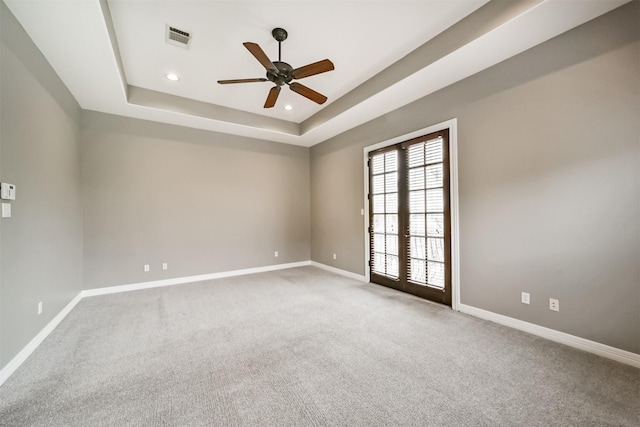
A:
x: 281, y: 73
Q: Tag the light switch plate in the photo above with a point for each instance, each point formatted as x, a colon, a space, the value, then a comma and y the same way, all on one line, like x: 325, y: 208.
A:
x: 6, y: 210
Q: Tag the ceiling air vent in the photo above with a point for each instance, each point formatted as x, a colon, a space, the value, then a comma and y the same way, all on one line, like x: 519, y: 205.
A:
x: 177, y: 37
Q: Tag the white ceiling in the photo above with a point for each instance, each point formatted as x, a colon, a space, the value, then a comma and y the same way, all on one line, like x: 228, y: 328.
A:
x: 359, y: 40
x: 113, y: 57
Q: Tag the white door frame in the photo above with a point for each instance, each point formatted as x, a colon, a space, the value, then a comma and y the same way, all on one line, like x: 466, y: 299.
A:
x: 452, y: 125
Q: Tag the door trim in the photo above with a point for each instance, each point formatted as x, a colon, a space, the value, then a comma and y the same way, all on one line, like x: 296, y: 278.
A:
x: 452, y: 126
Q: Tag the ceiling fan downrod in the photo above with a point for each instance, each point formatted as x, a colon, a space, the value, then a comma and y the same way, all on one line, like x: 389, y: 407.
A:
x: 280, y: 34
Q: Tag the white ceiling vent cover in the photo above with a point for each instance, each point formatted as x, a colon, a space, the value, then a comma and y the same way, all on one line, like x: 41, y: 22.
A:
x: 178, y: 37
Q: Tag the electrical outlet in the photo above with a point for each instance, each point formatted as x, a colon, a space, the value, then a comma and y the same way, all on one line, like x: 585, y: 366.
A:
x: 275, y: 254
x: 40, y: 307
x: 165, y: 265
x: 525, y: 298
x: 554, y: 304
x: 146, y: 268
x: 334, y: 256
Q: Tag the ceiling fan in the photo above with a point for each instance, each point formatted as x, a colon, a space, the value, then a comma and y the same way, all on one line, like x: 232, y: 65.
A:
x: 282, y: 73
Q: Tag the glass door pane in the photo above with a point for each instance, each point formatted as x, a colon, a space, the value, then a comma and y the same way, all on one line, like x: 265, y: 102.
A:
x: 426, y: 205
x: 384, y: 196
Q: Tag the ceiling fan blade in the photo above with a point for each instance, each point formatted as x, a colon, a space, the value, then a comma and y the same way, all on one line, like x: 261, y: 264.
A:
x: 226, y: 82
x: 313, y: 69
x: 272, y: 97
x: 308, y: 93
x: 260, y: 56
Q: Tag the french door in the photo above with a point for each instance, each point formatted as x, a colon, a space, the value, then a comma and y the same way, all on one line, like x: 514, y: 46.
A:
x: 409, y: 217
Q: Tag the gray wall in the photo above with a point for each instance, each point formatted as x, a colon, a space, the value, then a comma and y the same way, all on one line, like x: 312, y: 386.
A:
x: 151, y: 193
x: 41, y: 245
x: 549, y: 158
x: 200, y: 201
x: 549, y: 186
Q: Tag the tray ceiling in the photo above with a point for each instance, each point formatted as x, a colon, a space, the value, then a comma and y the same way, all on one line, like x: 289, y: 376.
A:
x: 113, y: 56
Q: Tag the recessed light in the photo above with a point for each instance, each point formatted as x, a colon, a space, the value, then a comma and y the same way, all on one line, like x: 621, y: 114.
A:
x: 288, y: 107
x: 173, y: 77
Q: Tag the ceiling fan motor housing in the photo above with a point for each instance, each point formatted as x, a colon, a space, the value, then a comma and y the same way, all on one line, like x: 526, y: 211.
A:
x: 284, y: 74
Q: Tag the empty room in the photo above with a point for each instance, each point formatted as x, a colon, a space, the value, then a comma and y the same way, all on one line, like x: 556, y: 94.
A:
x: 320, y: 213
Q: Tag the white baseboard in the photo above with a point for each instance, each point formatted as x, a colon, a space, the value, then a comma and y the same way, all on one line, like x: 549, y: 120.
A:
x: 188, y: 279
x: 19, y: 359
x: 345, y: 273
x: 603, y: 350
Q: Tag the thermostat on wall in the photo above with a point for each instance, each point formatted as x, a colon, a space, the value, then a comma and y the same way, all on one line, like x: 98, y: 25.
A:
x: 7, y: 191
